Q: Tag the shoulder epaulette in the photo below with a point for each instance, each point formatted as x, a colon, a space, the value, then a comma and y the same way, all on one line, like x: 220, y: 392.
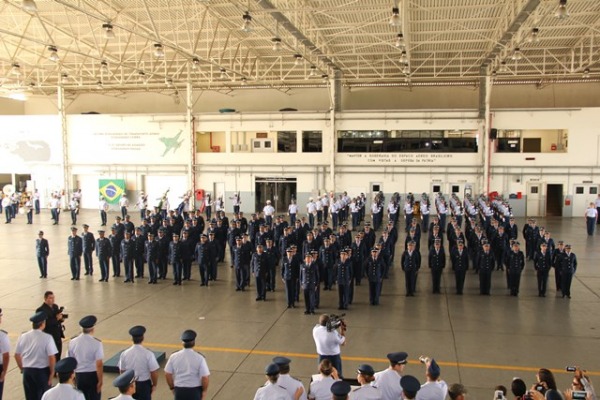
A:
x: 97, y: 339
x: 3, y: 331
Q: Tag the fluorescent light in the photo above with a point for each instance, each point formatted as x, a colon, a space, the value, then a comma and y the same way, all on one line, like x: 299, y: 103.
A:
x: 586, y: 73
x: 195, y: 63
x: 404, y: 57
x: 400, y: 40
x: 64, y: 78
x: 517, y: 55
x: 276, y: 44
x: 298, y: 61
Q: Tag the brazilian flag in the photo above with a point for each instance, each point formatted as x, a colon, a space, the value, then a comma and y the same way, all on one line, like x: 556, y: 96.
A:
x: 111, y: 189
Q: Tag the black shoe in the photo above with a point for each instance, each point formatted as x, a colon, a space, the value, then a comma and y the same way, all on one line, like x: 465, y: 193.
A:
x: 87, y: 273
x: 306, y: 312
x: 174, y: 283
x: 258, y: 299
x: 76, y: 279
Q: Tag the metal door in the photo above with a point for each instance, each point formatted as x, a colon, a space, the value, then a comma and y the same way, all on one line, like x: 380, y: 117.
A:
x: 534, y: 199
x: 583, y: 195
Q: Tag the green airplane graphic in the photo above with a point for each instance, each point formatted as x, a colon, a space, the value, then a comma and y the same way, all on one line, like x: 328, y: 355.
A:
x: 171, y: 143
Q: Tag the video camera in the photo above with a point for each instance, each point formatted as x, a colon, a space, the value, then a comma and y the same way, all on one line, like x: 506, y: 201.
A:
x: 335, y: 321
x: 61, y: 311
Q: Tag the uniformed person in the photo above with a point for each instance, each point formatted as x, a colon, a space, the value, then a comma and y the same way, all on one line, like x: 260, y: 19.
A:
x: 567, y: 270
x: 367, y: 390
x: 126, y: 385
x: 344, y: 279
x: 437, y: 263
x: 292, y: 385
x: 388, y: 381
x: 175, y: 259
x: 374, y: 271
x: 542, y: 264
x: 115, y: 256
x: 410, y: 387
x: 320, y: 385
x: 139, y: 249
x: 186, y: 371
x: 36, y: 357
x: 340, y: 390
x: 557, y: 257
x: 460, y: 264
x: 103, y: 252
x: 74, y: 251
x: 151, y: 248
x: 4, y: 356
x: 65, y: 390
x: 309, y: 282
x: 89, y: 245
x: 486, y: 263
x: 259, y: 270
x: 88, y: 352
x: 127, y: 255
x: 515, y: 262
x: 411, y: 263
x: 290, y: 272
x: 271, y: 390
x: 42, y: 251
x: 143, y: 362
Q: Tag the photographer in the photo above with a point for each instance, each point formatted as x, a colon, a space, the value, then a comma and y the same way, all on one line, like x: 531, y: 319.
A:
x: 54, y: 320
x: 329, y: 334
x: 580, y: 383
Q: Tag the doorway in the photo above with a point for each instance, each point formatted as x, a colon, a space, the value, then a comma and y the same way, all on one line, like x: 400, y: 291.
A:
x: 583, y: 195
x: 534, y: 197
x: 554, y: 198
x: 280, y: 191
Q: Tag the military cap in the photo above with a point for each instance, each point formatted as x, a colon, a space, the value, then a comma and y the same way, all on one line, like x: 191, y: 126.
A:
x: 213, y: 221
x: 561, y: 242
x: 211, y: 234
x: 66, y: 365
x: 374, y: 250
x: 188, y: 336
x: 38, y: 317
x: 272, y: 369
x: 398, y: 357
x: 340, y: 388
x: 516, y: 243
x: 88, y: 321
x: 150, y: 233
x: 281, y: 361
x: 125, y: 379
x: 238, y: 238
x: 434, y: 369
x: 460, y: 242
x: 324, y: 223
x: 86, y: 226
x: 326, y: 238
x: 410, y: 384
x: 289, y: 250
x: 139, y: 228
x: 269, y: 240
x: 128, y: 233
x: 412, y: 242
x: 366, y: 369
x: 437, y: 241
x: 176, y: 235
x: 137, y: 331
x: 118, y: 218
x: 314, y: 252
x: 343, y: 251
x: 40, y: 232
x: 246, y: 234
x: 567, y: 246
x: 413, y: 229
x: 113, y: 228
x: 73, y: 228
x: 543, y: 244
x: 204, y: 235
x: 486, y: 244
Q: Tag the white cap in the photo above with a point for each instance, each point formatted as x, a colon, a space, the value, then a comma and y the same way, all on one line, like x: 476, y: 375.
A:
x: 268, y: 201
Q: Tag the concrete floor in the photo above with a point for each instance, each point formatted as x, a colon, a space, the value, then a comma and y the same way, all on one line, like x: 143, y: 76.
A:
x: 479, y: 341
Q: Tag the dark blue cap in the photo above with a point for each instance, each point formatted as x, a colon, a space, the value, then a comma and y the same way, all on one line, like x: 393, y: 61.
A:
x: 398, y: 357
x: 66, y: 365
x: 38, y: 317
x: 434, y: 369
x: 340, y: 388
x: 100, y: 230
x: 281, y: 361
x: 366, y: 369
x: 410, y: 384
x: 272, y: 369
x: 188, y: 336
x: 137, y: 331
x: 88, y: 321
x: 125, y: 379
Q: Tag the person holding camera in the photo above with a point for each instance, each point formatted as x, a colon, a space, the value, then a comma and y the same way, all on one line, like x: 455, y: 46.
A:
x: 54, y: 320
x: 329, y: 335
x: 581, y: 384
x: 434, y: 388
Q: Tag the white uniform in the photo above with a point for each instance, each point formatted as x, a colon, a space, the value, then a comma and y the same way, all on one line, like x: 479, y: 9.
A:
x: 433, y: 391
x: 311, y: 207
x: 291, y: 385
x: 63, y: 391
x: 140, y: 359
x: 321, y: 389
x: 388, y: 382
x: 271, y: 391
x: 4, y: 344
x: 328, y: 343
x: 35, y: 346
x: 269, y: 210
x: 187, y: 367
x: 103, y: 206
x: 365, y: 392
x: 86, y: 349
x: 293, y: 209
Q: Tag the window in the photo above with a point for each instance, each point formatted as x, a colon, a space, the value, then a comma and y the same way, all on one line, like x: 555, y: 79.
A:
x: 532, y: 141
x: 455, y: 188
x: 286, y: 141
x: 593, y: 190
x: 436, y: 188
x: 534, y: 190
x: 312, y: 142
x: 210, y: 142
x: 579, y: 190
x: 450, y: 141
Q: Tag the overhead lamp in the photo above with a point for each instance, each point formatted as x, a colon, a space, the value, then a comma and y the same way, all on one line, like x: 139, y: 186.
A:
x: 64, y: 78
x: 276, y: 44
x: 108, y: 31
x: 562, y: 12
x: 503, y: 67
x: 31, y: 86
x: 406, y: 69
x: 29, y: 6
x: 159, y: 52
x: 104, y: 66
x: 99, y: 85
x: 325, y: 78
x: 195, y: 63
x: 298, y: 58
x: 313, y: 71
x: 517, y: 55
x: 16, y: 69
x: 494, y: 73
x: 223, y: 74
x: 586, y: 73
x: 395, y: 18
x: 534, y: 36
x: 404, y: 57
x: 244, y: 81
x: 53, y: 53
x: 142, y: 76
x: 247, y: 24
x: 400, y: 40
x: 169, y: 82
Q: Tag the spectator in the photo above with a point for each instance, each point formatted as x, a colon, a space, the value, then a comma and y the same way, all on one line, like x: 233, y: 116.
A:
x: 434, y: 388
x: 518, y: 388
x: 320, y: 387
x: 410, y: 387
x: 457, y: 391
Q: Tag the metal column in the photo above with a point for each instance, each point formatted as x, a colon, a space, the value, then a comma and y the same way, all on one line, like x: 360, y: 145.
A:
x: 487, y: 143
x: 62, y: 113
x: 335, y: 93
x: 189, y: 121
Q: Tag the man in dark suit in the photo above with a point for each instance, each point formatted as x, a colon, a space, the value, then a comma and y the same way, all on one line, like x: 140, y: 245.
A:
x: 42, y: 250
x: 54, y: 321
x: 74, y: 250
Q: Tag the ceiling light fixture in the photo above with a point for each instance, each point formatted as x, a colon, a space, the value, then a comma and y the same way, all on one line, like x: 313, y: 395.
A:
x: 534, y: 36
x: 142, y: 76
x: 29, y: 5
x: 395, y: 18
x: 277, y: 46
x: 562, y: 12
x: 223, y: 74
x: 517, y: 55
x: 16, y: 69
x: 99, y: 85
x: 325, y: 78
x: 494, y: 73
x: 169, y: 82
x: 404, y: 57
x: 313, y: 71
x: 64, y: 78
x: 503, y: 67
x: 195, y: 63
x: 298, y: 61
x: 53, y: 53
x: 406, y: 69
x: 244, y: 82
x: 247, y: 24
x: 586, y: 73
x: 108, y: 31
x: 400, y: 41
x: 104, y: 66
x: 159, y: 52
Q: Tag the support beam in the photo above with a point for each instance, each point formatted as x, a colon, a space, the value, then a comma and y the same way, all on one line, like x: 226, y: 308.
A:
x: 486, y: 141
x: 62, y: 113
x: 189, y: 125
x: 335, y: 94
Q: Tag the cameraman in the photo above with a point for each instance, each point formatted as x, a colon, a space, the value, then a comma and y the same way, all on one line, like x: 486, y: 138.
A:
x: 54, y: 321
x: 328, y: 342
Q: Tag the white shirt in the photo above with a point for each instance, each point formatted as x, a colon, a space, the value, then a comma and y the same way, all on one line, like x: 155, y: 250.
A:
x: 291, y: 385
x: 63, y: 391
x: 325, y: 201
x: 293, y: 209
x: 311, y: 207
x: 142, y: 202
x: 103, y: 205
x: 328, y: 343
x: 187, y: 367
x: 4, y: 344
x: 87, y: 350
x: 424, y: 208
x: 123, y: 202
x: 272, y: 392
x: 6, y: 202
x: 35, y: 346
x: 408, y: 209
x: 321, y: 389
x: 591, y: 212
x: 388, y: 382
x: 392, y: 209
x: 54, y: 203
x: 433, y: 391
x: 365, y: 392
x: 269, y: 210
x: 140, y: 359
